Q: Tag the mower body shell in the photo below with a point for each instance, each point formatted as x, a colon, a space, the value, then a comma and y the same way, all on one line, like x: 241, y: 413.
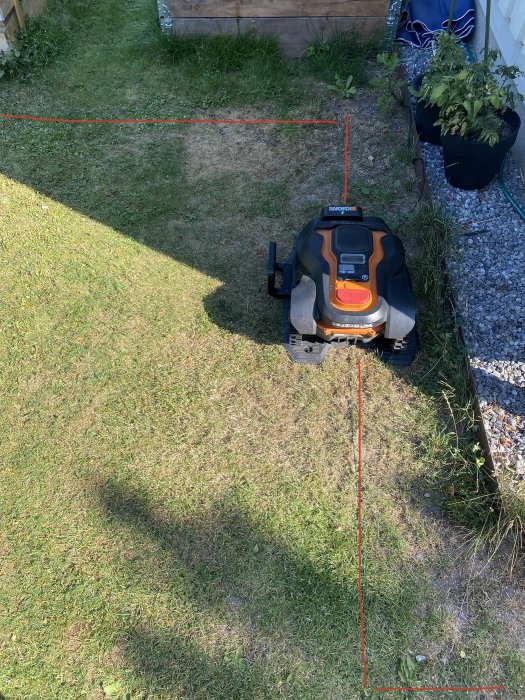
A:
x: 348, y: 283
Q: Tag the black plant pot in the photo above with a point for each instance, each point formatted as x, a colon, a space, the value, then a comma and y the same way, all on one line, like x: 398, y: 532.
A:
x: 471, y: 165
x: 425, y: 118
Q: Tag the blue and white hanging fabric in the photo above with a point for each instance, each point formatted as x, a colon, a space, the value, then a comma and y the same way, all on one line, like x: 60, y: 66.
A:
x: 422, y: 19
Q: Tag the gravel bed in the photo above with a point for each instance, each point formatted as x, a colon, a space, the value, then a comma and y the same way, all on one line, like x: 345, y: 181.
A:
x: 487, y: 269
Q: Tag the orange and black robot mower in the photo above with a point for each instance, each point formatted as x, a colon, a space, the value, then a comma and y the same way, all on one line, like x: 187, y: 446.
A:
x: 346, y: 283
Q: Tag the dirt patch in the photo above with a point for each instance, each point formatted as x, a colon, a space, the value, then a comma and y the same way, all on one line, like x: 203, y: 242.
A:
x: 233, y: 148
x: 305, y: 156
x: 74, y: 640
x: 309, y: 160
x: 115, y: 656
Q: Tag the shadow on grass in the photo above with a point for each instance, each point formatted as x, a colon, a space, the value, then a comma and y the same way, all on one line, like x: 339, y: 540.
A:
x: 298, y: 620
x: 135, y: 181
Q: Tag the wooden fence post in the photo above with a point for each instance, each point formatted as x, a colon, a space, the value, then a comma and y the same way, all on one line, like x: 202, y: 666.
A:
x: 19, y: 14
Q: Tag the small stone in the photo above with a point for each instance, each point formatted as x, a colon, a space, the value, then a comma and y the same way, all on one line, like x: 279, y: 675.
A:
x: 420, y: 658
x: 419, y: 556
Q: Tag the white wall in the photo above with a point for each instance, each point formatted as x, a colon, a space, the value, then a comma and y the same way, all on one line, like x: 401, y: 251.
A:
x: 4, y: 46
x: 507, y: 23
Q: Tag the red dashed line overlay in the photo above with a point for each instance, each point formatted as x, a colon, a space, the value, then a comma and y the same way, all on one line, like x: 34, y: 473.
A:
x: 61, y: 120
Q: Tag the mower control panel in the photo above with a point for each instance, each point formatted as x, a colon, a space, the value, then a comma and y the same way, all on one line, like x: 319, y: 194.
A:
x: 352, y: 245
x: 352, y: 266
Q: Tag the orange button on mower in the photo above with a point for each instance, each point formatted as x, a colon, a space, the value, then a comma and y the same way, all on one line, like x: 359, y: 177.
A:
x: 356, y: 297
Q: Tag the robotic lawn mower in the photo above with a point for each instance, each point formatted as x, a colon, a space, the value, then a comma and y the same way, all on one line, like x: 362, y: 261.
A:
x: 346, y: 283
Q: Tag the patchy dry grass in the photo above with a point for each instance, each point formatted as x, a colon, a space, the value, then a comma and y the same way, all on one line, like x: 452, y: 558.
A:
x: 178, y: 514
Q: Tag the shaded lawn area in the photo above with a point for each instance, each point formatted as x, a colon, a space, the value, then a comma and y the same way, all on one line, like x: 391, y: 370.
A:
x: 178, y: 513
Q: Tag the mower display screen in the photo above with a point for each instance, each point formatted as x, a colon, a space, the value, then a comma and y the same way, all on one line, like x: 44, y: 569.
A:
x: 352, y: 266
x: 353, y: 259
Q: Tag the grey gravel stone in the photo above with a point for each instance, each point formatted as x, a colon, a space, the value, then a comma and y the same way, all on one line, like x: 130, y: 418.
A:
x: 487, y: 270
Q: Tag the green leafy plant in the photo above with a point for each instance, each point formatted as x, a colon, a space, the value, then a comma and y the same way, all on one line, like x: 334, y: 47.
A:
x: 407, y: 669
x: 388, y: 82
x: 36, y: 45
x: 470, y: 96
x: 448, y: 60
x: 112, y: 688
x: 293, y: 678
x: 318, y: 49
x: 344, y: 88
x: 237, y: 659
x: 471, y: 100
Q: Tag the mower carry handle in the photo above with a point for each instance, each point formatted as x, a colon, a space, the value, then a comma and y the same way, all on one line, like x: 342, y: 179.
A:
x: 284, y: 268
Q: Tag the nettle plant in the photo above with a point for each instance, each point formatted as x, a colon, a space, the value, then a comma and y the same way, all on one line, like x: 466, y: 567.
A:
x: 471, y: 97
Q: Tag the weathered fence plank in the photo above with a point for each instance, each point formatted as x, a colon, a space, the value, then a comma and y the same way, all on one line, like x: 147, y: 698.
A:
x: 296, y: 23
x: 279, y: 8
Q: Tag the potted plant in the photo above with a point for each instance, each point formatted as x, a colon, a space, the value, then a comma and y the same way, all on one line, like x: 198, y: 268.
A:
x: 476, y: 110
x: 448, y: 59
x: 477, y: 119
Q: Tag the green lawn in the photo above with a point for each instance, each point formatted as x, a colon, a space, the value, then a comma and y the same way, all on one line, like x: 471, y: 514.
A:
x: 179, y: 501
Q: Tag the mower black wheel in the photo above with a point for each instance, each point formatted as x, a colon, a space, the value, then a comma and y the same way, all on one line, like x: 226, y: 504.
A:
x: 399, y: 353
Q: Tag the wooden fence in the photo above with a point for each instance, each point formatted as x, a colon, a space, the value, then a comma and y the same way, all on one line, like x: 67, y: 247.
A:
x: 295, y: 22
x: 12, y: 14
